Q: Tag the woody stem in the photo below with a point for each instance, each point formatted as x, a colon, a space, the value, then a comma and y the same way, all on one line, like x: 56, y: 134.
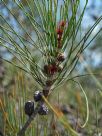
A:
x: 36, y: 110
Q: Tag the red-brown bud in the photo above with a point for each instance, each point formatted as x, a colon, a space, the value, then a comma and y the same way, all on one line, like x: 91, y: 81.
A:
x: 50, y: 69
x: 61, y: 57
x: 62, y: 23
x: 53, y: 69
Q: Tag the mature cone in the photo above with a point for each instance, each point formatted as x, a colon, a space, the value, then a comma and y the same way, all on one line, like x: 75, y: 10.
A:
x: 43, y: 110
x: 37, y: 96
x: 29, y: 108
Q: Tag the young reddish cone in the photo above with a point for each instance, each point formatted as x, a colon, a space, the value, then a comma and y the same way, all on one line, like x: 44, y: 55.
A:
x: 59, y: 31
x: 53, y: 69
x: 59, y: 38
x: 62, y: 23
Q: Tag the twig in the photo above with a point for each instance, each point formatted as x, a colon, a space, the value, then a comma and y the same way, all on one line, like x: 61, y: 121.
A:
x: 31, y: 118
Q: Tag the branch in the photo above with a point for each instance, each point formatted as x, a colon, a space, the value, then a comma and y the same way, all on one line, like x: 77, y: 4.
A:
x: 31, y: 118
x: 28, y: 122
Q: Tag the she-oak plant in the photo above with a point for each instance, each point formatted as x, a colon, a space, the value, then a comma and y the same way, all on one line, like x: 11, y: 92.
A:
x: 56, y: 33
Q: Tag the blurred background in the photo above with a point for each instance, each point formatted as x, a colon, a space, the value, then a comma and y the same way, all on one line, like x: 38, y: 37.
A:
x: 16, y: 87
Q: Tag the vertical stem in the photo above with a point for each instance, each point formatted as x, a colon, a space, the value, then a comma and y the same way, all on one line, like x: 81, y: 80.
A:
x: 31, y: 118
x: 22, y: 131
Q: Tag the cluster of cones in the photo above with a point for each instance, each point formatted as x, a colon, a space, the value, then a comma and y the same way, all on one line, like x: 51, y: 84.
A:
x: 30, y: 108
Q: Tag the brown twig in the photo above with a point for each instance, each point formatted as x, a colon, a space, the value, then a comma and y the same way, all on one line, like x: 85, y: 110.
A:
x: 31, y: 118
